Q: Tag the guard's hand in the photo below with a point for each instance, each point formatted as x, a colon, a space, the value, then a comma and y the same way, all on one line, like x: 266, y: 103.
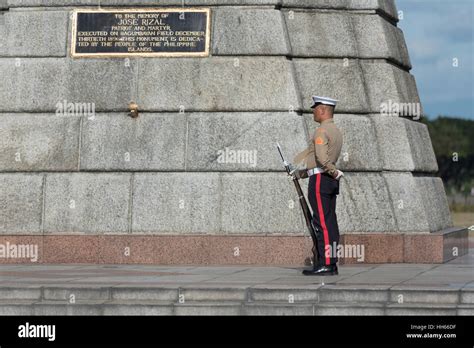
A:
x: 339, y: 175
x: 299, y: 173
x: 293, y: 172
x: 302, y: 174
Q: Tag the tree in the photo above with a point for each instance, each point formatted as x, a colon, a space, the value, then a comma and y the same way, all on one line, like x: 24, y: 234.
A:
x: 453, y: 144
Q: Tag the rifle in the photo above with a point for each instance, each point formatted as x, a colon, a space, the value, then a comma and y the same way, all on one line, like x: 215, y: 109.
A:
x: 304, y: 206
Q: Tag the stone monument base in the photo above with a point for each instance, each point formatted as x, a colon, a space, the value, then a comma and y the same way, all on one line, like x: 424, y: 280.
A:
x: 436, y: 247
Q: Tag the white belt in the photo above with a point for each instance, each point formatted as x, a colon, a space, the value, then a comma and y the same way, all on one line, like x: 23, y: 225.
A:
x: 314, y: 171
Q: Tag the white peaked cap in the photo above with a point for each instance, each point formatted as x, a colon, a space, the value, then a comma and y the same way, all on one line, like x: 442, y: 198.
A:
x: 323, y: 100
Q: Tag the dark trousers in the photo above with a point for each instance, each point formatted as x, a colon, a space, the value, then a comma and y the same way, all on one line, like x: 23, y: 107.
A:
x: 322, y: 194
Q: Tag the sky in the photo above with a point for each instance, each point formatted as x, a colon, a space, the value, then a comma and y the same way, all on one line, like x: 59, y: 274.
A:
x: 437, y: 33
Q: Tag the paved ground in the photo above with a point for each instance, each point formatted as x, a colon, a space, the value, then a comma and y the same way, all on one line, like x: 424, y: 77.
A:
x: 457, y: 274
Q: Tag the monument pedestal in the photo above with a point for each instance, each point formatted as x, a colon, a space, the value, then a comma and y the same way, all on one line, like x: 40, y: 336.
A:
x: 434, y: 247
x: 437, y: 247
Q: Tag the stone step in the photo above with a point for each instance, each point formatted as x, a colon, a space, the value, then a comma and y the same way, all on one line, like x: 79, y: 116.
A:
x: 312, y: 299
x: 19, y: 307
x: 312, y: 293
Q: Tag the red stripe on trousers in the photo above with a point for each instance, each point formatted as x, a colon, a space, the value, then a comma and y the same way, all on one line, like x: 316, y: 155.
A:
x: 321, y: 215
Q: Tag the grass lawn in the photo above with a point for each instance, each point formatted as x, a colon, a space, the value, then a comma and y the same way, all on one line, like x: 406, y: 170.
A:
x: 464, y: 220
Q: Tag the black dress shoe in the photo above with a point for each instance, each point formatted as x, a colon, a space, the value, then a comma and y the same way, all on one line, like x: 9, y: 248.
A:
x: 322, y: 270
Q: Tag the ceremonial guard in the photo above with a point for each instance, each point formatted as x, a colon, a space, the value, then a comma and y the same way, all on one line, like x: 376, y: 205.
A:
x: 320, y: 166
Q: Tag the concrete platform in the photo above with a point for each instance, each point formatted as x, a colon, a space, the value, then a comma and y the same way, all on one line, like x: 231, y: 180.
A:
x: 386, y: 289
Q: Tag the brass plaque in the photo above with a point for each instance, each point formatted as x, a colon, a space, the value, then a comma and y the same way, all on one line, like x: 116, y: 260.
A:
x: 165, y: 32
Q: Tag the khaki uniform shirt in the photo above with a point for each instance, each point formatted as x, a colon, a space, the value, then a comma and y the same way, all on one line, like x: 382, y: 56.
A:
x: 324, y: 149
